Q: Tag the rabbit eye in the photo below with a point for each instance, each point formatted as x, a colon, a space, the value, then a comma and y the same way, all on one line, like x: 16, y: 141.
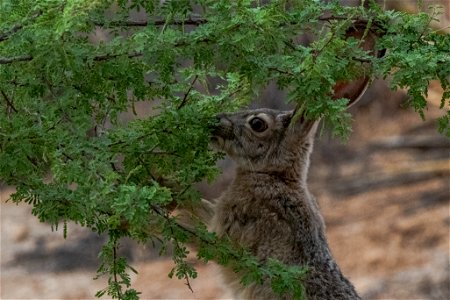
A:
x: 258, y: 124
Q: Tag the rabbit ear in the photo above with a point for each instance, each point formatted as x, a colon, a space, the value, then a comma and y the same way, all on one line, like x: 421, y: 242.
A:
x: 354, y: 89
x: 305, y: 128
x: 300, y: 128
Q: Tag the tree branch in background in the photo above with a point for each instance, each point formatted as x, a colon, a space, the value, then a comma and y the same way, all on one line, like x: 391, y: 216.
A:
x: 6, y: 35
x: 194, y: 22
x: 112, y: 56
x: 130, y: 23
x: 10, y: 60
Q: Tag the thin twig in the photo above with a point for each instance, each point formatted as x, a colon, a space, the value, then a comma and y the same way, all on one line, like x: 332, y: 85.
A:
x: 163, y: 153
x: 158, y: 211
x: 319, y: 51
x: 363, y: 60
x: 8, y: 101
x: 330, y: 18
x: 5, y: 36
x: 130, y: 23
x: 184, y: 101
x: 116, y: 281
x: 111, y: 56
x: 177, y: 246
x: 32, y: 161
x: 281, y: 71
x: 186, y: 277
x: 8, y: 34
x: 141, y: 161
x: 10, y: 60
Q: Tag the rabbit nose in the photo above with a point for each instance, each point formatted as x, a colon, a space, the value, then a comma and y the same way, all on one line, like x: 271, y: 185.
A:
x: 222, y: 126
x: 220, y: 120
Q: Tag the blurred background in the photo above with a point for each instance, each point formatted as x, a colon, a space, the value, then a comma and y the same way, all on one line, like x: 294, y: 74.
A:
x: 384, y: 195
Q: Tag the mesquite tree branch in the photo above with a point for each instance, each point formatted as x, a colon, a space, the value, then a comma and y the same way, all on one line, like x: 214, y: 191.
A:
x: 10, y: 60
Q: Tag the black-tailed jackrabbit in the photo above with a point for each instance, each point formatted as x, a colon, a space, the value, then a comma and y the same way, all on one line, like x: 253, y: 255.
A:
x: 268, y: 207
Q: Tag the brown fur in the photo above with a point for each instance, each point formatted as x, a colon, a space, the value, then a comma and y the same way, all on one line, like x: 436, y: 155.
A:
x: 268, y: 207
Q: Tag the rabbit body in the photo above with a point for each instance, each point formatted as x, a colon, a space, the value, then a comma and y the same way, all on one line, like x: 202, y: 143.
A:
x: 268, y: 208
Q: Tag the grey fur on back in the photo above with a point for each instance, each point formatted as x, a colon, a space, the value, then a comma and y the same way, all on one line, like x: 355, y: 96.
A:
x: 268, y: 207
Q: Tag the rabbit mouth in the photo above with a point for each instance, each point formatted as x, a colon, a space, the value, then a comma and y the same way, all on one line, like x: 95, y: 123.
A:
x: 223, y: 132
x: 221, y: 137
x: 217, y: 142
x: 222, y: 144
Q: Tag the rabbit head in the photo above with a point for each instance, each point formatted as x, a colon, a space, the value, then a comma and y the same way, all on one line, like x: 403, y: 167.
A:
x: 264, y: 140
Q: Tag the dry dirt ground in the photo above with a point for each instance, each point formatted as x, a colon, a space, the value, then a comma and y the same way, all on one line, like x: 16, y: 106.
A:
x: 384, y: 196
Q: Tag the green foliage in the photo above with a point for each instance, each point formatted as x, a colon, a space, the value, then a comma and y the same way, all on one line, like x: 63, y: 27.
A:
x: 115, y: 268
x: 416, y: 56
x: 64, y: 89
